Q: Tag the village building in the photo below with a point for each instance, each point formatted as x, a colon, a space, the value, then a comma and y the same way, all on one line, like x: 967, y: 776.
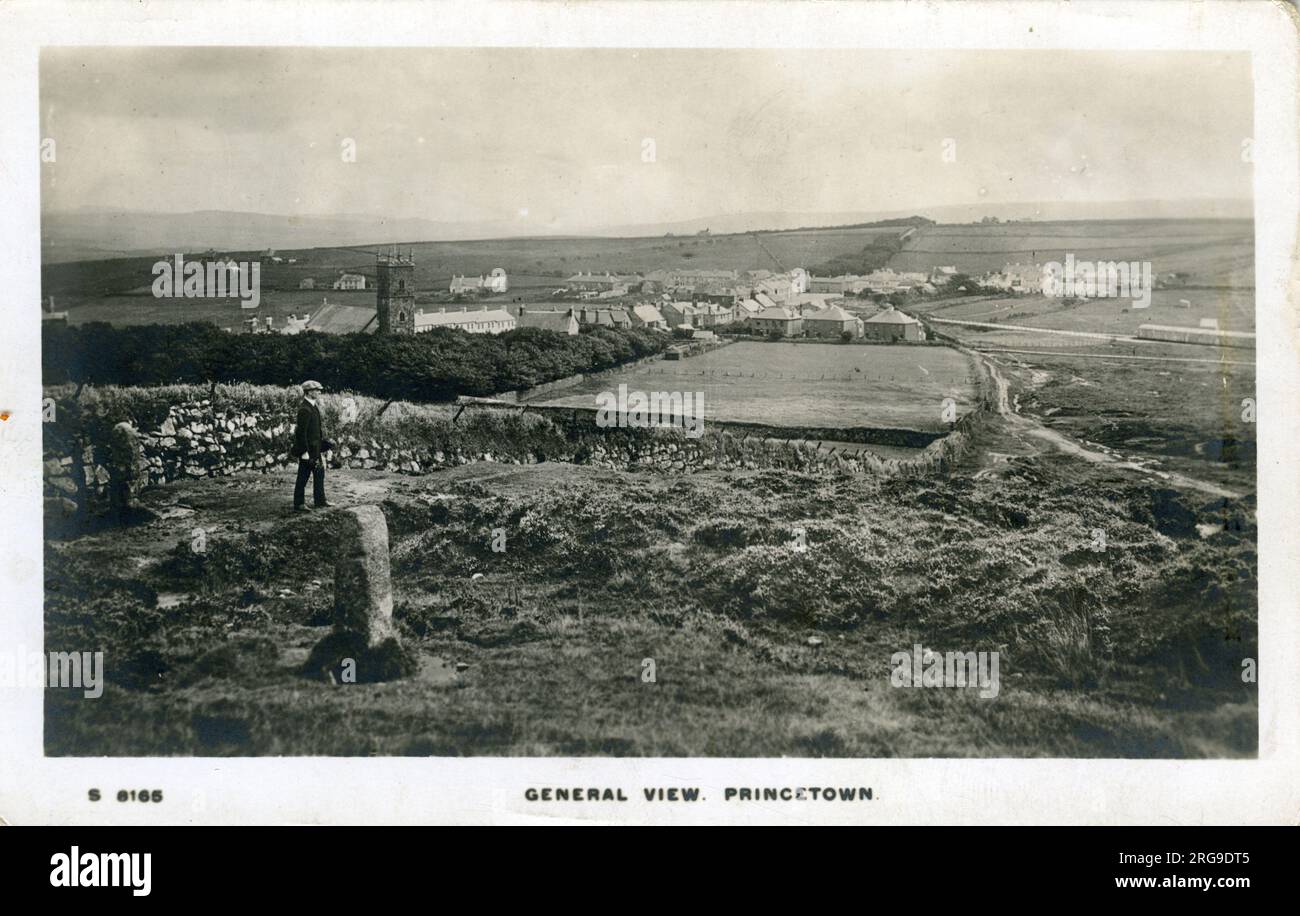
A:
x: 782, y: 287
x: 689, y: 280
x: 393, y: 312
x: 779, y: 319
x: 1025, y: 279
x: 479, y: 321
x: 838, y: 285
x: 307, y: 283
x: 335, y: 318
x: 831, y: 322
x: 647, y: 316
x: 892, y: 324
x: 494, y: 282
x: 598, y: 317
x: 350, y: 281
x: 814, y: 301
x: 562, y: 321
x: 295, y: 324
x: 614, y: 284
x: 678, y: 314
x: 605, y: 317
x: 710, y: 314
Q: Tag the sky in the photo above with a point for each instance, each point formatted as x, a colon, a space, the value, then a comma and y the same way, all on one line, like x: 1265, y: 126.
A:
x: 584, y: 138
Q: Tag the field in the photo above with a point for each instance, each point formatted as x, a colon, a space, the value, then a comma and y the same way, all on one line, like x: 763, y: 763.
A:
x: 806, y: 384
x: 1204, y: 253
x: 1233, y: 309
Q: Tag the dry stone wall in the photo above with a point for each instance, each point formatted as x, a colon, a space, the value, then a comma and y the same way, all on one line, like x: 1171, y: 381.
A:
x: 216, y: 436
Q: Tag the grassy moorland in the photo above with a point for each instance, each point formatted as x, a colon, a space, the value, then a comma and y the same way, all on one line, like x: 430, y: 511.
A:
x: 759, y: 649
x: 1176, y: 407
x: 1202, y: 252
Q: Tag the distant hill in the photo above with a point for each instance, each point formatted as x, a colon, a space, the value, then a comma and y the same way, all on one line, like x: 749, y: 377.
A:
x: 91, y: 234
x: 97, y: 234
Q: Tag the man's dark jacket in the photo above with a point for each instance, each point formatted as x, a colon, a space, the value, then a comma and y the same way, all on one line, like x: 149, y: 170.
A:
x: 307, y: 432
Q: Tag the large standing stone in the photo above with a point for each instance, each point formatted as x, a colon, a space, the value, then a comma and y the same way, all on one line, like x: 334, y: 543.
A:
x: 363, y: 646
x: 363, y: 592
x: 126, y: 467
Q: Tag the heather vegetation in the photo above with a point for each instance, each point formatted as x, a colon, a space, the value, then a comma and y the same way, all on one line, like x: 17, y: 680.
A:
x: 1134, y: 650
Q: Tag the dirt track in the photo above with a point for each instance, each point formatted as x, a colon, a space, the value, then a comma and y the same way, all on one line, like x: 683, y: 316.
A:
x: 1021, y: 429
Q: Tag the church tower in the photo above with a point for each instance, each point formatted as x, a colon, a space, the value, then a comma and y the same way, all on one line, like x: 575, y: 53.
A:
x: 395, y: 293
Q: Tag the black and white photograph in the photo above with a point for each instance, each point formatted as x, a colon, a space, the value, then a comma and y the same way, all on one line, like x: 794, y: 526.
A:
x: 589, y: 401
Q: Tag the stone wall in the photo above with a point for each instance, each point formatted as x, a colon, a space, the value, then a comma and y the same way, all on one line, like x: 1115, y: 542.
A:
x: 241, y: 433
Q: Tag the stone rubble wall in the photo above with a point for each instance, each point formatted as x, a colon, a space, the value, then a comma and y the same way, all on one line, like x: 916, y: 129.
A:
x: 205, y: 438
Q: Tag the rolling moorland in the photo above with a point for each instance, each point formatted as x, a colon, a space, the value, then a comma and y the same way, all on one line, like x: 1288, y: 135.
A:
x: 1132, y: 650
x: 1205, y: 253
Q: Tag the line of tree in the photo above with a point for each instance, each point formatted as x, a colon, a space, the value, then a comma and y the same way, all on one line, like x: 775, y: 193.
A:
x: 435, y: 366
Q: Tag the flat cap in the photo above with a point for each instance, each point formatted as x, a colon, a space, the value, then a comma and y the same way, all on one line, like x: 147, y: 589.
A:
x: 312, y: 385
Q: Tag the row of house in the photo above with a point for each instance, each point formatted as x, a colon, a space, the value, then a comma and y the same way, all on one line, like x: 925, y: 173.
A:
x: 719, y: 286
x: 830, y: 322
x: 606, y: 284
x: 884, y: 281
x: 834, y: 322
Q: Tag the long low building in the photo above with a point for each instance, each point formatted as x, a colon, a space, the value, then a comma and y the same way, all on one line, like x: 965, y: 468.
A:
x: 479, y: 321
x: 1205, y: 336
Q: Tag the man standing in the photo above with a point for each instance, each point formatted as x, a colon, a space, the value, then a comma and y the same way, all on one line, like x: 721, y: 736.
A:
x: 307, y: 441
